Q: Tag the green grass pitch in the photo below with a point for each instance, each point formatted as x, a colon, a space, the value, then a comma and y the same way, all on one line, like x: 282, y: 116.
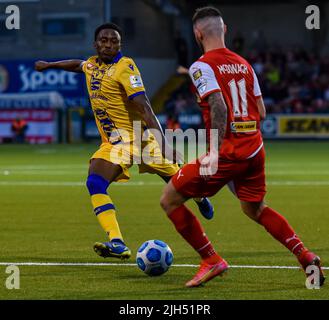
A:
x: 46, y: 216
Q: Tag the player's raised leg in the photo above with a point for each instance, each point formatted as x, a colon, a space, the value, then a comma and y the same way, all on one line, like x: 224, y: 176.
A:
x: 101, y: 174
x: 189, y: 227
x: 279, y: 228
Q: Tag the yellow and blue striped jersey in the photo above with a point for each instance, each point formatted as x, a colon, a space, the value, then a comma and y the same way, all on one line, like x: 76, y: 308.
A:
x: 111, y: 88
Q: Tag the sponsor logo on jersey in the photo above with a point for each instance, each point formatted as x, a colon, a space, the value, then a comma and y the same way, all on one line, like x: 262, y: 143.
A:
x: 95, y: 95
x: 96, y: 79
x: 197, y: 74
x: 233, y: 68
x: 241, y: 127
x: 201, y: 85
x: 136, y: 81
x: 106, y: 124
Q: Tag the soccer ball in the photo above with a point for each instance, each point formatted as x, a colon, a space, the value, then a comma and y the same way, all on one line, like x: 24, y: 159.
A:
x: 154, y: 257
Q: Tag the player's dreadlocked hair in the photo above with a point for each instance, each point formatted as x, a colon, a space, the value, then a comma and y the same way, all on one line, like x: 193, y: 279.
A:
x: 205, y: 12
x: 109, y: 25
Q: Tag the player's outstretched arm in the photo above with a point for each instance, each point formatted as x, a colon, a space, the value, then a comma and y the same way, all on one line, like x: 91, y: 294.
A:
x: 182, y: 70
x: 74, y: 65
x: 143, y: 105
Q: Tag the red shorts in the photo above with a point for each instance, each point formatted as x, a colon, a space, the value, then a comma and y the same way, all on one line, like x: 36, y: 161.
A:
x: 246, y: 179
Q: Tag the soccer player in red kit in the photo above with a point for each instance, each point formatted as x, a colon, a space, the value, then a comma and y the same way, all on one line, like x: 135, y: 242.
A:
x: 228, y: 85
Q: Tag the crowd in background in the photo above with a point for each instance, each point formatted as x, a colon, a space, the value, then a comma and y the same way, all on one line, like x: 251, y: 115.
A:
x: 292, y: 81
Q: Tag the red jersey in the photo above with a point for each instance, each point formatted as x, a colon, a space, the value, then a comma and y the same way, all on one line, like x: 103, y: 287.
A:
x: 222, y: 70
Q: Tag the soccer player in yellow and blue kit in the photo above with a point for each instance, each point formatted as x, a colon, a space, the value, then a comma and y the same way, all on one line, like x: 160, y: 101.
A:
x: 118, y: 98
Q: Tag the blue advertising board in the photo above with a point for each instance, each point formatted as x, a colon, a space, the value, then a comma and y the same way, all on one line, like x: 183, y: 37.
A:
x: 19, y: 76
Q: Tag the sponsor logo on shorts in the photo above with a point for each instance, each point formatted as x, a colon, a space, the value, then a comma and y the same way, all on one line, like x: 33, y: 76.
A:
x: 180, y: 174
x: 241, y: 127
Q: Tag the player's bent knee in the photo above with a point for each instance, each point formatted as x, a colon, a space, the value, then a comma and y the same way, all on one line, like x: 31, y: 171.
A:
x: 96, y: 184
x: 253, y: 209
x: 261, y: 208
x: 171, y: 199
x: 165, y: 202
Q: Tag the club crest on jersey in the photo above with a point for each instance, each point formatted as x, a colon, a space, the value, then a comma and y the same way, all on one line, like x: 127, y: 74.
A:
x: 131, y: 67
x: 197, y: 74
x: 136, y: 81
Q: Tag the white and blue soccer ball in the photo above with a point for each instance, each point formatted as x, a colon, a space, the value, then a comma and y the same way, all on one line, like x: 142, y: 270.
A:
x: 154, y: 257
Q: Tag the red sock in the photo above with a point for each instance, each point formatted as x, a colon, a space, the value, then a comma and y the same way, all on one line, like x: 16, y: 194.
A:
x: 191, y: 230
x: 280, y: 229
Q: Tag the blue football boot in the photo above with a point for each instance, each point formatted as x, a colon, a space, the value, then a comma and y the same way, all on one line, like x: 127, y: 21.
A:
x: 114, y: 248
x: 206, y: 208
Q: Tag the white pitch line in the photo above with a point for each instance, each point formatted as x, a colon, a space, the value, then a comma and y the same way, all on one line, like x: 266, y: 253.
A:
x: 298, y: 183
x: 142, y: 183
x: 297, y: 173
x: 42, y: 183
x: 79, y: 172
x: 100, y: 264
x: 316, y: 169
x: 44, y: 167
x: 42, y: 170
x: 44, y: 173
